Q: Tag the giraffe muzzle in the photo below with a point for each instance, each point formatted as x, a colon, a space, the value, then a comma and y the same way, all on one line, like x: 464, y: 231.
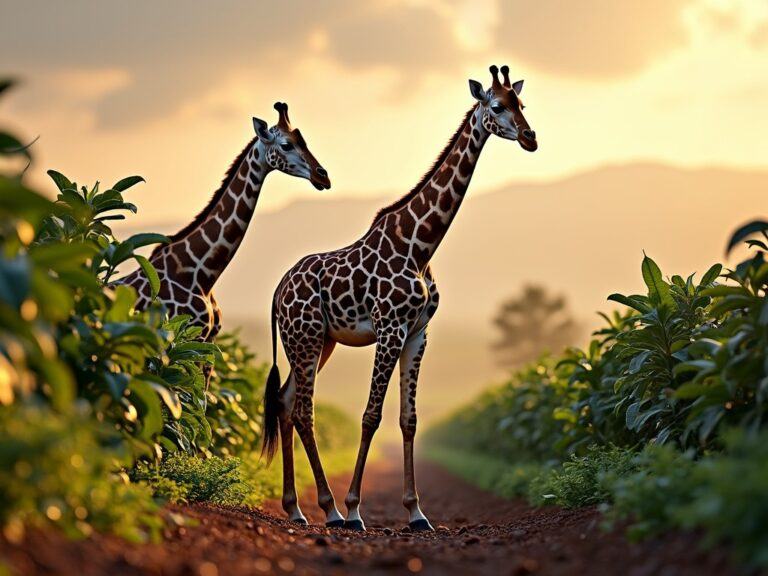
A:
x: 527, y: 140
x: 319, y: 178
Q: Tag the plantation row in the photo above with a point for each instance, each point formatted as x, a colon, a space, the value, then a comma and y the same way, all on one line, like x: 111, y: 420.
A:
x: 661, y: 419
x: 103, y: 411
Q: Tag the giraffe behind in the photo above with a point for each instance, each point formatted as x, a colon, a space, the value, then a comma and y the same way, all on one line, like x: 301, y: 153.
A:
x: 196, y: 256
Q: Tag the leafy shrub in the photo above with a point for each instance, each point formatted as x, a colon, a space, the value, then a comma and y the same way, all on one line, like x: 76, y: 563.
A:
x: 184, y: 478
x: 638, y: 416
x: 60, y: 469
x: 651, y: 494
x: 724, y: 495
x: 582, y: 480
x: 729, y: 500
x: 235, y: 405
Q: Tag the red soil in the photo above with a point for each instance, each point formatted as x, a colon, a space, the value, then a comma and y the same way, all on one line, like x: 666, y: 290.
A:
x: 477, y: 533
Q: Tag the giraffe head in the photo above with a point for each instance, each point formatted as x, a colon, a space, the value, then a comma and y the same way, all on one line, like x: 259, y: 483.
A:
x: 502, y: 109
x: 287, y: 151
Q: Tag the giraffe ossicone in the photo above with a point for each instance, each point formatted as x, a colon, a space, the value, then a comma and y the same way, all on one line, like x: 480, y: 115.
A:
x: 196, y: 256
x: 379, y: 290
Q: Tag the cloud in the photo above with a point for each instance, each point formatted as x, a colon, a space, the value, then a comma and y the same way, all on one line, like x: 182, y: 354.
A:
x: 759, y: 36
x: 593, y: 38
x: 406, y: 38
x: 176, y: 52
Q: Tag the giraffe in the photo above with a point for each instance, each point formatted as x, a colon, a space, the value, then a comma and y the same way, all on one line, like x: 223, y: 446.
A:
x: 379, y: 290
x: 191, y: 263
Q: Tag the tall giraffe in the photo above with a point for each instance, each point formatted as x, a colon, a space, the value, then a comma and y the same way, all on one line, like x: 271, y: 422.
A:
x: 196, y: 256
x: 378, y: 290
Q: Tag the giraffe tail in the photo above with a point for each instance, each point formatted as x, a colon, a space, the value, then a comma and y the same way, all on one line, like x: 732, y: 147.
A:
x: 271, y: 423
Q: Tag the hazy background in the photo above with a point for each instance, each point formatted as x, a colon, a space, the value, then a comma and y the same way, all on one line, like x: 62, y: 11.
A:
x: 651, y: 116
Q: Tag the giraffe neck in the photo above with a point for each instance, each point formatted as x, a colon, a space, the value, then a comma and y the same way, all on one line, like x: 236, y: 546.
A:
x: 199, y: 254
x: 420, y: 220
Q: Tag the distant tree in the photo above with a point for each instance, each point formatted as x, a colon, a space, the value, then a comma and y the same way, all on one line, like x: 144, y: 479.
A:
x: 532, y: 323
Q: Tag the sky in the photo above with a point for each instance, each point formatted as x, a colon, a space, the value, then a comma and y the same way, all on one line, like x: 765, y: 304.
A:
x: 167, y: 89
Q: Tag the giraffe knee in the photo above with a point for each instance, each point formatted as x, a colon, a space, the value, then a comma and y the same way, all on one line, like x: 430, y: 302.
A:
x: 303, y: 422
x: 408, y: 426
x: 371, y: 422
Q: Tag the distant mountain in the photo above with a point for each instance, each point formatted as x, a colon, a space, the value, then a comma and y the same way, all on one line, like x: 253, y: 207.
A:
x: 583, y: 236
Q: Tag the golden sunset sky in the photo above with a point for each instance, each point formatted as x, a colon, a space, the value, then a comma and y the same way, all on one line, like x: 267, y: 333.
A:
x: 622, y: 94
x: 167, y: 89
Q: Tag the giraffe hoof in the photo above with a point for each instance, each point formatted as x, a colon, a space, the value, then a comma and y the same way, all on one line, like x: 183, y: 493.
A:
x: 335, y: 524
x: 356, y: 525
x: 421, y: 525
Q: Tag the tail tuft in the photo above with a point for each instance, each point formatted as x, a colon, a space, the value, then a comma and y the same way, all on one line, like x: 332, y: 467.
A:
x: 271, y: 414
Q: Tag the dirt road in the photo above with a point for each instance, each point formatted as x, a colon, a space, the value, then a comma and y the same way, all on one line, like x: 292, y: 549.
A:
x: 477, y: 533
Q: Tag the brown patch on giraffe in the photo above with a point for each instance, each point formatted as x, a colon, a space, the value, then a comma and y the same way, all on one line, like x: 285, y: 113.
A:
x: 232, y: 232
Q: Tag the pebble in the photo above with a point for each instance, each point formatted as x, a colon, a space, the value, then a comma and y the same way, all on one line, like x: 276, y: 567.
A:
x: 321, y: 541
x: 388, y: 531
x: 463, y: 530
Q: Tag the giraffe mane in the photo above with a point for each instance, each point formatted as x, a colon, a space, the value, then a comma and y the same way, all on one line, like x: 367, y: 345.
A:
x: 205, y: 212
x: 399, y: 203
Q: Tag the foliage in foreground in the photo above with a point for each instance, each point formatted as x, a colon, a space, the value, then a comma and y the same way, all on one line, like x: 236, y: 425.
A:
x: 63, y: 468
x: 92, y: 391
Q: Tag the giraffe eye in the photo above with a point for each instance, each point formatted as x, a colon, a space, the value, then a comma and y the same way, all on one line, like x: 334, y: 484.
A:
x: 497, y: 108
x: 286, y: 146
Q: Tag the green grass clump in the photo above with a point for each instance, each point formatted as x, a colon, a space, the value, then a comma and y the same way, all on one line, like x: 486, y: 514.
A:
x: 509, y: 480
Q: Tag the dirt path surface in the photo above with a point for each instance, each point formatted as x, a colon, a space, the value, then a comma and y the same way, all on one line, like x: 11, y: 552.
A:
x: 477, y: 533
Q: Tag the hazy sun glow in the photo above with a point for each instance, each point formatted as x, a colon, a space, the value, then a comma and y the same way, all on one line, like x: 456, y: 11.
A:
x: 378, y: 88
x: 167, y: 90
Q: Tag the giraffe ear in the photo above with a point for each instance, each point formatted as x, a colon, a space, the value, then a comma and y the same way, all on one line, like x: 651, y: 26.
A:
x: 476, y: 89
x: 518, y: 86
x: 262, y: 130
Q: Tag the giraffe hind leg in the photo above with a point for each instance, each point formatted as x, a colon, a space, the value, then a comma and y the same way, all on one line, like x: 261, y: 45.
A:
x: 304, y: 354
x: 290, y: 499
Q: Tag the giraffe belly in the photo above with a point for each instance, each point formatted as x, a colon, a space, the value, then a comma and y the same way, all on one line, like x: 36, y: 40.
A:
x: 358, y: 334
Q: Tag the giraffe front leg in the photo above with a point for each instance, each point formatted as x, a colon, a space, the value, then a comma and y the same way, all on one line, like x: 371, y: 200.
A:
x: 388, y: 347
x: 410, y: 362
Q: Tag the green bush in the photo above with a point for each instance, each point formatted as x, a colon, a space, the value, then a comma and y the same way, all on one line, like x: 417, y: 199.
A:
x: 582, y: 480
x: 61, y: 469
x: 723, y: 494
x: 184, y: 478
x: 637, y: 418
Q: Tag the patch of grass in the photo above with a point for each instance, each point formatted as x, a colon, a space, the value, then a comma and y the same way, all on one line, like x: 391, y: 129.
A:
x: 506, y: 480
x: 245, y: 480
